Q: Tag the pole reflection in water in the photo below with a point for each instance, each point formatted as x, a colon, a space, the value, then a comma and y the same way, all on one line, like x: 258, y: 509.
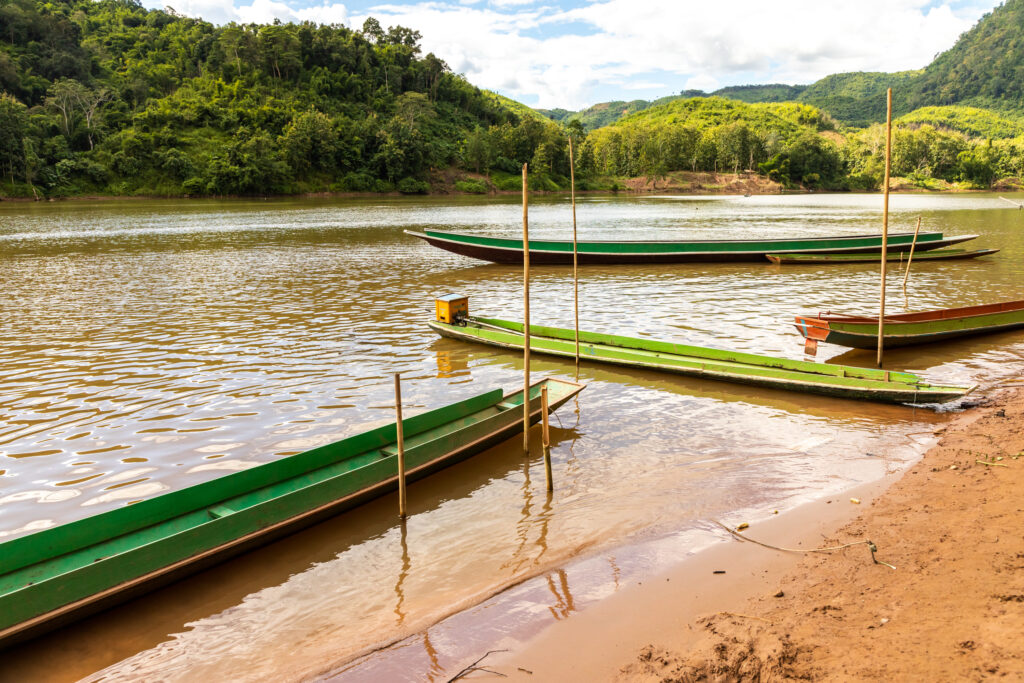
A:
x: 435, y: 671
x: 563, y: 606
x: 406, y: 566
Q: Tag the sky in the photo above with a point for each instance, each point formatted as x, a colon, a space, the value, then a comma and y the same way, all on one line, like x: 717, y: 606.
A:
x: 575, y: 53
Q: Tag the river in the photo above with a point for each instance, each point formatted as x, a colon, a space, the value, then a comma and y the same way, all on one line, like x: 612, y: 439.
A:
x: 151, y: 345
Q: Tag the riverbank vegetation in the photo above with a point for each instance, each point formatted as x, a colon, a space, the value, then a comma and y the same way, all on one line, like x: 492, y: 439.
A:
x: 109, y: 98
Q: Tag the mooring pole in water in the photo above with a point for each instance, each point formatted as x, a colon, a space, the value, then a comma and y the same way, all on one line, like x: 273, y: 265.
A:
x: 910, y: 258
x: 401, y: 445
x: 545, y: 436
x: 885, y: 220
x: 575, y: 259
x: 526, y: 317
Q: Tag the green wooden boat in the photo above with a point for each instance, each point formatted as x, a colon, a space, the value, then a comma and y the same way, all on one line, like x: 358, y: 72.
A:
x: 696, y: 361
x: 59, y: 574
x: 905, y: 329
x: 556, y: 252
x: 901, y: 257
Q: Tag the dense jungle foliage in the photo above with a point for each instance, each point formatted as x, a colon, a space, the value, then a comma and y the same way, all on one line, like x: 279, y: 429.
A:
x: 110, y: 98
x: 113, y: 98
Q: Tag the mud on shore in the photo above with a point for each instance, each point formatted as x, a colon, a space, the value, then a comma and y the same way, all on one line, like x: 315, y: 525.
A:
x: 952, y: 609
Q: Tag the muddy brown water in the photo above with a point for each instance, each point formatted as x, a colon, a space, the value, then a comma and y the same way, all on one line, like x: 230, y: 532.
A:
x: 152, y: 345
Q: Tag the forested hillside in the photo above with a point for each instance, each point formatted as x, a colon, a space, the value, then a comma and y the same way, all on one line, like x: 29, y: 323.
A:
x: 772, y: 92
x: 984, y: 68
x: 858, y: 98
x: 113, y: 98
x: 110, y: 98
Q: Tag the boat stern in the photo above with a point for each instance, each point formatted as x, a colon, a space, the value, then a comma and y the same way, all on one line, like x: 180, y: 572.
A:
x: 812, y: 328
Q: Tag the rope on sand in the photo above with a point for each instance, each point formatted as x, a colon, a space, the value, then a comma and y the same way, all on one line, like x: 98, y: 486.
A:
x: 871, y: 546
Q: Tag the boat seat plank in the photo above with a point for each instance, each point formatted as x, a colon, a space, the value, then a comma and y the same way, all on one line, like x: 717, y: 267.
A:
x: 220, y: 511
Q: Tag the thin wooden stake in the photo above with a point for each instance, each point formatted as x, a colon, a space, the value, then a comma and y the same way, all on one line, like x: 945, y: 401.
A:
x: 575, y: 259
x: 910, y: 258
x: 526, y: 317
x: 885, y: 221
x: 401, y: 445
x: 545, y: 436
x: 1018, y: 205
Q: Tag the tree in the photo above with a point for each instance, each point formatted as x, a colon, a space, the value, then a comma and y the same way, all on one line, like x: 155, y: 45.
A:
x: 478, y: 151
x: 63, y: 97
x: 311, y: 142
x: 32, y: 163
x: 13, y: 127
x: 373, y: 31
x: 90, y: 101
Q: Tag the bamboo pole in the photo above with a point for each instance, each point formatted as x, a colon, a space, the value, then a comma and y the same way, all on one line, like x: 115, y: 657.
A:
x: 1018, y: 205
x: 885, y: 220
x: 399, y: 431
x: 910, y: 258
x: 575, y: 258
x: 545, y: 436
x: 526, y: 317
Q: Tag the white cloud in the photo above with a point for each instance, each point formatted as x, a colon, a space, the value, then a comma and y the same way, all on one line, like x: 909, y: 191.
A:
x: 704, y: 44
x: 701, y: 82
x: 259, y: 11
x: 522, y: 49
x: 643, y: 85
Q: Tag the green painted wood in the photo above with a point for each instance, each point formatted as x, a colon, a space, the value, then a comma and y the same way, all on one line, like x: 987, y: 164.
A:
x: 900, y: 257
x: 832, y: 380
x: 907, y: 333
x: 271, y: 495
x: 66, y: 538
x: 906, y: 329
x: 698, y: 246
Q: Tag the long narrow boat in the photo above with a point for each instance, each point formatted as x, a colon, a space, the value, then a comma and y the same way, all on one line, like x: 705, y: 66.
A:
x: 59, y: 574
x: 554, y: 252
x: 937, y: 255
x: 861, y: 332
x: 697, y: 361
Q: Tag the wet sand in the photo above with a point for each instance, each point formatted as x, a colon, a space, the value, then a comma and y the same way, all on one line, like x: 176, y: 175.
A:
x: 952, y: 609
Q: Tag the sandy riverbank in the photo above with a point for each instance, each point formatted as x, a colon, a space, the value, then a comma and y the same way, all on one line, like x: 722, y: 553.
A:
x: 952, y: 609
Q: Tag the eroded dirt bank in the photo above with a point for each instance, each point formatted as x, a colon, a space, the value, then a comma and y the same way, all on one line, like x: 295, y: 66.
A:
x: 953, y: 609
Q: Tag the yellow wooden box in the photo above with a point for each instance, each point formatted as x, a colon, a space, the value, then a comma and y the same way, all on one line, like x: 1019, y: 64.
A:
x: 451, y: 308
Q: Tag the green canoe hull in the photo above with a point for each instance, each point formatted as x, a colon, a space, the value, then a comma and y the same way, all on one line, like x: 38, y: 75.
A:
x: 695, y: 361
x: 914, y: 328
x: 901, y: 257
x: 60, y: 574
x: 555, y: 252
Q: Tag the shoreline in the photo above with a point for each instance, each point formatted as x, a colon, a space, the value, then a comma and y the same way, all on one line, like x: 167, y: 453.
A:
x: 686, y: 183
x: 660, y: 610
x: 951, y: 609
x: 598, y: 629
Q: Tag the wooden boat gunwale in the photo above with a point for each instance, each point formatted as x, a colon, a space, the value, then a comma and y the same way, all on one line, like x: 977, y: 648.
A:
x: 557, y: 252
x: 834, y: 258
x: 906, y: 329
x: 834, y: 380
x: 70, y: 568
x: 933, y: 314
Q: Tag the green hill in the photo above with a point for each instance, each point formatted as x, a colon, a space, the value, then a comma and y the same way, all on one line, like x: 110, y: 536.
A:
x: 109, y: 97
x: 987, y: 62
x: 774, y: 92
x: 857, y: 98
x: 971, y: 121
x: 716, y: 134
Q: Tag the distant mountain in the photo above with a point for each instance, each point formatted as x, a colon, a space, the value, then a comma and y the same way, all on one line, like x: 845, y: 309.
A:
x: 984, y: 69
x: 858, y: 98
x: 971, y: 121
x: 985, y: 66
x: 604, y: 113
x: 773, y: 92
